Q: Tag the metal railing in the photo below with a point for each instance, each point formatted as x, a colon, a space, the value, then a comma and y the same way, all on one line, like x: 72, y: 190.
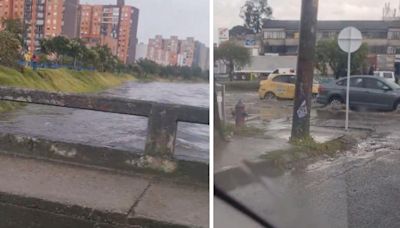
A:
x: 162, y: 118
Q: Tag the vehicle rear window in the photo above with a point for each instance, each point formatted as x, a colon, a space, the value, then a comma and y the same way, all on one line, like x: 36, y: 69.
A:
x: 387, y: 75
x: 282, y: 78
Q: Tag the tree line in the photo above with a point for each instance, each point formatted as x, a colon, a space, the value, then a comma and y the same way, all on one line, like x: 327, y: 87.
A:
x: 76, y: 54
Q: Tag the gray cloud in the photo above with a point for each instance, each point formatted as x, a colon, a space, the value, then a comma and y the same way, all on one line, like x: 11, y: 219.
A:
x: 226, y: 12
x: 185, y: 18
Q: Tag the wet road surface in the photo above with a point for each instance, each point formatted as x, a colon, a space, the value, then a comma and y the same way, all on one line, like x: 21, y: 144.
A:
x: 115, y: 130
x: 359, y: 188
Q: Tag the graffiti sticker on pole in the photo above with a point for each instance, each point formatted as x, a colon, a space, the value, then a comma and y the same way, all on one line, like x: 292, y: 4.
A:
x: 302, y: 111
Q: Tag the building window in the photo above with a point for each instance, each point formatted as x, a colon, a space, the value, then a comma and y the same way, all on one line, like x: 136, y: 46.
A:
x: 374, y: 35
x: 275, y: 35
x: 391, y: 50
x: 394, y: 35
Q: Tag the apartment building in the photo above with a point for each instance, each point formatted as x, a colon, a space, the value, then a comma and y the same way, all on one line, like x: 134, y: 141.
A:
x: 42, y: 19
x: 70, y: 26
x: 141, y: 51
x: 186, y: 53
x: 155, y: 50
x: 201, y: 56
x: 111, y: 25
x: 11, y: 9
x: 177, y: 52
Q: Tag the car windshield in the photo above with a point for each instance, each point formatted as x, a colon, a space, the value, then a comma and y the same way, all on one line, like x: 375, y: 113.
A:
x: 393, y: 85
x: 299, y: 156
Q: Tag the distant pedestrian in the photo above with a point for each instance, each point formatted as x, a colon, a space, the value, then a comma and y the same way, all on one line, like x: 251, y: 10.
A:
x: 27, y: 58
x: 34, y: 61
x: 371, y: 70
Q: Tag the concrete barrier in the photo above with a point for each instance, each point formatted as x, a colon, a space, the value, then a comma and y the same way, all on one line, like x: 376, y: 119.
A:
x: 161, y: 134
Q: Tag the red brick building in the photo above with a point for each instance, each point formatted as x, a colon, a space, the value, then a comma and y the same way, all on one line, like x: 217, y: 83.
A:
x: 111, y: 25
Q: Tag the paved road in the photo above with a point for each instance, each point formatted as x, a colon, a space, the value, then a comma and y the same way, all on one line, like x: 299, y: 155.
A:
x: 360, y: 188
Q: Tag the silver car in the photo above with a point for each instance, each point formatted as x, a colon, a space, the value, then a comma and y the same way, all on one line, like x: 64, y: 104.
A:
x: 365, y: 91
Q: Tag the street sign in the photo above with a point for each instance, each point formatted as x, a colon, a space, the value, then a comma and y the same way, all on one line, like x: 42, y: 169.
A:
x: 349, y: 41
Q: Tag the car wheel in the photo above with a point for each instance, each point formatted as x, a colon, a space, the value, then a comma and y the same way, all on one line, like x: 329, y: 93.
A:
x: 270, y: 96
x: 335, y: 102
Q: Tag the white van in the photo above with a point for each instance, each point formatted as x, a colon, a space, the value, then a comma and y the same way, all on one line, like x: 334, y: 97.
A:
x: 388, y: 75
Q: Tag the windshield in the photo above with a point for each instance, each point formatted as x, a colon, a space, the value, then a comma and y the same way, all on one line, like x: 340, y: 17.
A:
x: 393, y: 85
x: 295, y: 154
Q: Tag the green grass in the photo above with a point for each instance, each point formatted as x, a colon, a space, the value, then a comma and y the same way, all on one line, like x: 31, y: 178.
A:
x: 63, y: 80
x: 246, y: 131
x: 307, y: 149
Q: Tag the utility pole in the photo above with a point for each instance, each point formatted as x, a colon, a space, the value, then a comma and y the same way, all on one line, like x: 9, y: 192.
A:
x: 305, y: 70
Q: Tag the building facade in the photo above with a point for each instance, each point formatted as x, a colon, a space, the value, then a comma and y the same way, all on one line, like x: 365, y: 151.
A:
x: 70, y: 27
x: 175, y: 52
x: 382, y: 37
x: 141, y: 51
x: 112, y: 25
x: 11, y: 9
x: 201, y: 56
x: 42, y: 19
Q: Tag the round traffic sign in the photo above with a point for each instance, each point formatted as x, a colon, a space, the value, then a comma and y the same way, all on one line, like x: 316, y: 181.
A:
x: 350, y: 39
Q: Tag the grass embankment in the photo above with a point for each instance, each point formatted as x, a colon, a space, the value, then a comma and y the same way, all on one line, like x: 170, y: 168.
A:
x: 63, y: 80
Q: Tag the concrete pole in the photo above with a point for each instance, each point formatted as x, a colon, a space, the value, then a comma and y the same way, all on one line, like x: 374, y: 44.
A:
x: 305, y: 70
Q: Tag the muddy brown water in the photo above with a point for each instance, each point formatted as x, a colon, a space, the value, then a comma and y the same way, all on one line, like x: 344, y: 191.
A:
x: 116, y: 130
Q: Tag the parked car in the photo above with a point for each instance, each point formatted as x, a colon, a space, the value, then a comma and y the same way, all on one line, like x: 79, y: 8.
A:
x: 388, y: 75
x: 280, y: 86
x: 365, y: 91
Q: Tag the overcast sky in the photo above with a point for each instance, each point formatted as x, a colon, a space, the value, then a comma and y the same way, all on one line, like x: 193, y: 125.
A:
x: 227, y: 11
x: 184, y: 18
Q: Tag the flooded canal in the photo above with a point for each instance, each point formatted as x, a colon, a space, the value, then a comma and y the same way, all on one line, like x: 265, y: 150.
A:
x: 116, y: 130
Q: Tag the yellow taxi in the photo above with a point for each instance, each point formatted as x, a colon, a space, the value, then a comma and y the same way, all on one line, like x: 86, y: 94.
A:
x: 281, y: 86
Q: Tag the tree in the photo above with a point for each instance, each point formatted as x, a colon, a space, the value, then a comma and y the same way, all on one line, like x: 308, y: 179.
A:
x: 15, y: 27
x: 328, y: 53
x: 9, y: 49
x: 149, y: 67
x: 76, y: 49
x: 105, y: 59
x: 58, y: 45
x: 254, y: 12
x: 233, y: 55
x: 239, y: 30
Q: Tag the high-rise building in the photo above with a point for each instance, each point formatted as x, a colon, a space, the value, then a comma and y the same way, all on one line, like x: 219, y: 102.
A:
x: 186, y: 53
x: 141, y: 51
x: 175, y: 52
x: 11, y: 9
x: 201, y: 56
x: 112, y: 25
x: 155, y: 50
x: 70, y: 27
x: 42, y: 19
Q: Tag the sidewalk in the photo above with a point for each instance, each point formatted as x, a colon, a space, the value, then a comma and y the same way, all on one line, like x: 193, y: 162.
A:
x: 99, y: 197
x: 241, y: 149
